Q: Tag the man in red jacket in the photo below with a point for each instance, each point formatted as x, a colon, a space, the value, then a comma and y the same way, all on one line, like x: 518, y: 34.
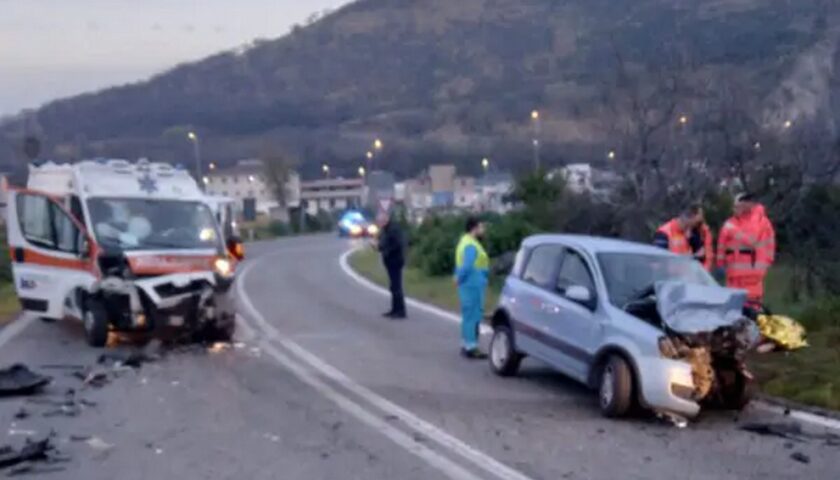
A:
x: 747, y: 247
x: 688, y: 234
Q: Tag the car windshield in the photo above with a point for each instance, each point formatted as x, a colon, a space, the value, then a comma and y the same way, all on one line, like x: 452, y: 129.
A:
x: 152, y: 224
x: 627, y: 275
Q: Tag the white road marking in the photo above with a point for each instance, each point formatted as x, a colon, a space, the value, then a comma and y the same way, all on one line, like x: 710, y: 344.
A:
x: 245, y: 332
x: 416, y: 304
x: 445, y: 440
x: 14, y: 328
x: 436, y: 460
x: 802, y: 416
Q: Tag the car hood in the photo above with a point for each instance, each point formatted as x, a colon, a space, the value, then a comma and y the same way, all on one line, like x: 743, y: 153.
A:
x: 690, y: 308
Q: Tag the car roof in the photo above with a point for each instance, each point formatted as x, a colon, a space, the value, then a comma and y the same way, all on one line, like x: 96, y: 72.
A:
x: 595, y: 245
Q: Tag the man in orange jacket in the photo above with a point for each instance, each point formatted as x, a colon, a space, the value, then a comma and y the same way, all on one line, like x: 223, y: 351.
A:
x: 688, y: 234
x: 747, y: 247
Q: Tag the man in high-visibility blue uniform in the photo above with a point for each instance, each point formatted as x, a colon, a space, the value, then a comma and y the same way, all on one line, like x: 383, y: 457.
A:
x: 472, y: 266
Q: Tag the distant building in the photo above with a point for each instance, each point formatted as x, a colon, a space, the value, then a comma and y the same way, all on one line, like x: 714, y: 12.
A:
x: 494, y: 190
x: 247, y: 181
x: 583, y: 178
x: 466, y: 196
x: 332, y: 194
x: 440, y: 189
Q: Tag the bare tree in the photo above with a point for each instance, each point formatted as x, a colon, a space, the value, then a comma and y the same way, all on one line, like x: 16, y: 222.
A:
x: 278, y: 172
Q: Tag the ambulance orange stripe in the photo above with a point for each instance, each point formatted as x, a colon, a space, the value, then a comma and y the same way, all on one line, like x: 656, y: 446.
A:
x: 37, y: 258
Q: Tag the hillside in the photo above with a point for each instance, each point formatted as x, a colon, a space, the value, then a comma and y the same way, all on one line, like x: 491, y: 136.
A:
x: 436, y: 79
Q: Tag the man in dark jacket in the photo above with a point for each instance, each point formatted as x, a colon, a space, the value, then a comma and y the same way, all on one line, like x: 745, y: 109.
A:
x: 392, y: 248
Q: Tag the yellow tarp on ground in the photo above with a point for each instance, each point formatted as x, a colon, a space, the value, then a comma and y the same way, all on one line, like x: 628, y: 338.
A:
x: 785, y: 332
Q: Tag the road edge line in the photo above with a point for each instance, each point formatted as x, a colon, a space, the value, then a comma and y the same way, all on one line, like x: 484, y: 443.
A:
x: 445, y: 440
x: 413, y: 302
x: 15, y: 328
x: 801, y: 415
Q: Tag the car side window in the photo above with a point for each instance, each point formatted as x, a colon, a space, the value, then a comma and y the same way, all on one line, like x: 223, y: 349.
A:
x: 574, y: 271
x: 542, y: 265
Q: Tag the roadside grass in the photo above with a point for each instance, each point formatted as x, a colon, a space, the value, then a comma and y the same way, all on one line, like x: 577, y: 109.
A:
x: 9, y: 306
x: 809, y: 376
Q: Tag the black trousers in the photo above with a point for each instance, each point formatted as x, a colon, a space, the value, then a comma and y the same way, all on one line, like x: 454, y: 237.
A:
x: 395, y: 281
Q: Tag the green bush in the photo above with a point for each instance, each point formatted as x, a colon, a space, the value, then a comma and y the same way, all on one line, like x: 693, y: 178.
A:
x: 434, y: 241
x: 5, y: 261
x: 821, y: 314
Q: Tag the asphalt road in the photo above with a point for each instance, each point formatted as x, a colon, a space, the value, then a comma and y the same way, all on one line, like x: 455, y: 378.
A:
x: 321, y: 387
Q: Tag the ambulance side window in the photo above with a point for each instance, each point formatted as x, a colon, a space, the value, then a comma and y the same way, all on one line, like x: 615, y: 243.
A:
x: 44, y: 224
x: 66, y: 232
x: 34, y: 216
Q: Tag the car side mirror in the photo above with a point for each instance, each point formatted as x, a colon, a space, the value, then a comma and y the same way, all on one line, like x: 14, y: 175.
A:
x: 579, y: 294
x: 236, y: 248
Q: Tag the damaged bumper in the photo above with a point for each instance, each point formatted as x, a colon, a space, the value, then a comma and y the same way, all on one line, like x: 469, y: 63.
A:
x: 668, y: 386
x: 181, y: 300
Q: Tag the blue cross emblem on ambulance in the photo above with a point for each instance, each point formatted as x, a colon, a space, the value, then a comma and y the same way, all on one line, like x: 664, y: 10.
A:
x: 148, y: 184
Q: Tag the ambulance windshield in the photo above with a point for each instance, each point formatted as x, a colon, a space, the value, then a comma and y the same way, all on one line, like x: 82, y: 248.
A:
x: 141, y: 224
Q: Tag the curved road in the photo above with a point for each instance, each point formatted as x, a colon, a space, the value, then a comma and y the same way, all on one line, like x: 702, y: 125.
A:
x: 323, y: 387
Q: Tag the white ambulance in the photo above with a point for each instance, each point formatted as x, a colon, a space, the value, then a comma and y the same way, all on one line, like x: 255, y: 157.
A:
x: 123, y: 247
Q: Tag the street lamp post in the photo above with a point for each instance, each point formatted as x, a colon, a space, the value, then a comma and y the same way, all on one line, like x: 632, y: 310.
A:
x: 485, y: 164
x: 326, y: 169
x: 193, y: 137
x: 535, y: 119
x: 362, y: 172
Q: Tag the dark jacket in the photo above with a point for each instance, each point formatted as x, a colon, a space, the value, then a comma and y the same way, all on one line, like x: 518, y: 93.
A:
x: 392, y: 245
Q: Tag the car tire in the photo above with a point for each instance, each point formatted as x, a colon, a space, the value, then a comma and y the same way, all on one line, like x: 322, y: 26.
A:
x: 504, y: 359
x: 615, y: 395
x: 96, y: 324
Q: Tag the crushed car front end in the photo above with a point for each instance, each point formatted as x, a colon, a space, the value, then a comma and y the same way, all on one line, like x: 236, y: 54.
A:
x: 698, y: 356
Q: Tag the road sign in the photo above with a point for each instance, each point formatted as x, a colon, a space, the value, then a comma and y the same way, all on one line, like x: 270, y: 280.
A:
x: 385, y: 204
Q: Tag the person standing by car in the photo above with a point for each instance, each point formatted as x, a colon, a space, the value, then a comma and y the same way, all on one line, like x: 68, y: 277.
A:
x: 688, y: 234
x: 471, y: 275
x: 747, y: 247
x: 392, y: 249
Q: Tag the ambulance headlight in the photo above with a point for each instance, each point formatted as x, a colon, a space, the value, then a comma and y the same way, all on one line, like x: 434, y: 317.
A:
x: 223, y: 267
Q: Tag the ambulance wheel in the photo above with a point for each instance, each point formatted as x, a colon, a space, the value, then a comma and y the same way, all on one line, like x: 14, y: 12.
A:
x: 219, y: 332
x: 96, y: 324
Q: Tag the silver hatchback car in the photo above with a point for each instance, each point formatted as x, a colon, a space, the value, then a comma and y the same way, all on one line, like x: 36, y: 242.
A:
x: 587, y: 306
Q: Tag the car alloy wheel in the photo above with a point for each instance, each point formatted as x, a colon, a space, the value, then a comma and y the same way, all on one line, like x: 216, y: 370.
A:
x: 500, y: 351
x: 607, y: 391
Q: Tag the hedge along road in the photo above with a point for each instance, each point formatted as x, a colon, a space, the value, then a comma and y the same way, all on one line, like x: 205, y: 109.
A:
x: 326, y: 325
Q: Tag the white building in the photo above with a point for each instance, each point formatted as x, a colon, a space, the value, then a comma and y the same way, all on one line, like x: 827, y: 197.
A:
x: 332, y: 194
x: 578, y: 177
x: 247, y: 180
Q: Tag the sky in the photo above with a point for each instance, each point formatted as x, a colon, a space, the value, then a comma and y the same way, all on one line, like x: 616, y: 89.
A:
x: 56, y: 48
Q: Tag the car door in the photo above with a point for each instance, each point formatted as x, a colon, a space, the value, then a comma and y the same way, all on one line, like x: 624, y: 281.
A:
x: 533, y: 291
x: 51, y: 254
x: 574, y: 326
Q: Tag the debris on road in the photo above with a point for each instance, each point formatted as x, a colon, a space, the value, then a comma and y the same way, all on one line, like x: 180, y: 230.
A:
x: 791, y: 431
x: 675, y: 420
x: 39, y: 451
x: 800, y: 457
x: 20, y: 380
x: 98, y: 444
x: 133, y: 359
